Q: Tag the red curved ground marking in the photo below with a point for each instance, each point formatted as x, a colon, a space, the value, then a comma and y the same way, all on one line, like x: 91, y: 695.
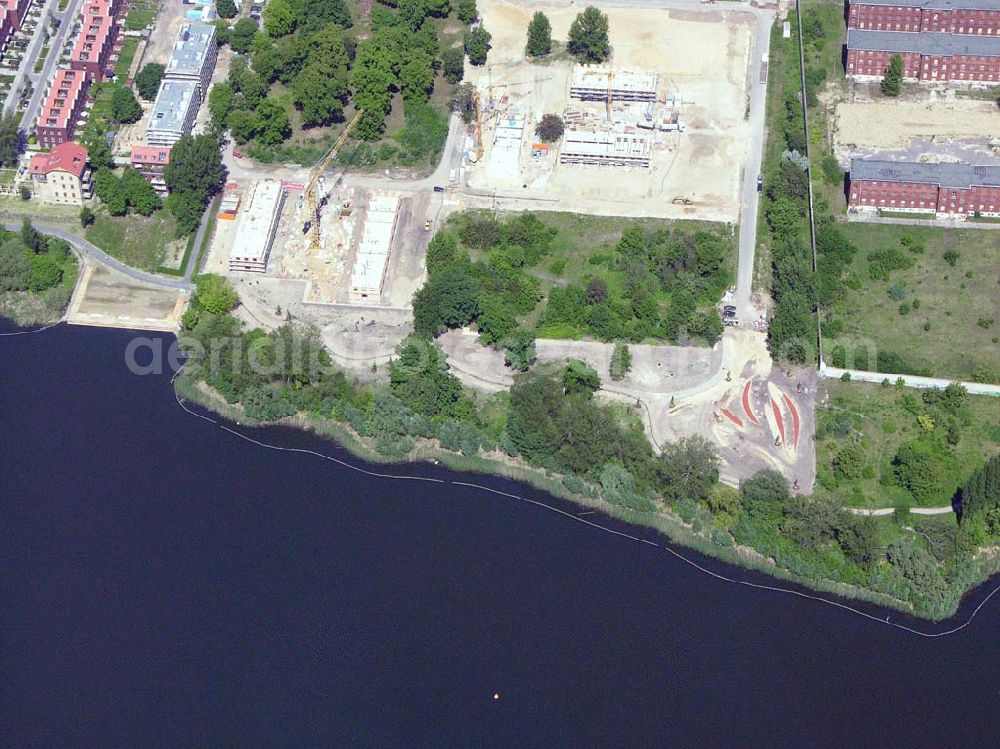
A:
x: 777, y: 417
x: 732, y: 417
x: 795, y: 420
x: 746, y: 404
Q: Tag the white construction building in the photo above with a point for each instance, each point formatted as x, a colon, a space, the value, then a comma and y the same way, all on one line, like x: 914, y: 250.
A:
x: 505, y: 155
x: 256, y: 227
x: 372, y: 258
x: 597, y: 84
x: 627, y: 147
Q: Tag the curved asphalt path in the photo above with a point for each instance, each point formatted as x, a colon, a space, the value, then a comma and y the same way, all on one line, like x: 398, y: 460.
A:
x: 85, y: 247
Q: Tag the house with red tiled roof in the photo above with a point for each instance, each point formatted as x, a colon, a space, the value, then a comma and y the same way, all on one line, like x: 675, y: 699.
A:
x: 61, y: 176
x: 150, y: 162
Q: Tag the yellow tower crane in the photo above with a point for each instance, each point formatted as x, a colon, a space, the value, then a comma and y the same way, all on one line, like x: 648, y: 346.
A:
x: 311, y: 193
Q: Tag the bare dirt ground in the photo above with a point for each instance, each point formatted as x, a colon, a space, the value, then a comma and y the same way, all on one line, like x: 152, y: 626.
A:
x: 109, y: 298
x: 701, y: 56
x: 161, y: 40
x: 879, y: 123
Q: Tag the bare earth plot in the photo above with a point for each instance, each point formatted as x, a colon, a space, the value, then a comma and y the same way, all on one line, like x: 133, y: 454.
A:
x: 702, y: 57
x: 105, y: 297
x: 891, y: 124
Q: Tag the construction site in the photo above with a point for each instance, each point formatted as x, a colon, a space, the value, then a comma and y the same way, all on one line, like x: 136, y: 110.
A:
x: 657, y: 131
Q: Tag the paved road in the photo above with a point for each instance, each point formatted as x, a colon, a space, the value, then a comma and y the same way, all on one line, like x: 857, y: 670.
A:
x: 83, y: 246
x: 190, y: 270
x: 913, y: 381
x: 56, y: 43
x: 27, y: 67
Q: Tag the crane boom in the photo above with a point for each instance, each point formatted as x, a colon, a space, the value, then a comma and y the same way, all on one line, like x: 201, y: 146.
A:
x: 312, y: 199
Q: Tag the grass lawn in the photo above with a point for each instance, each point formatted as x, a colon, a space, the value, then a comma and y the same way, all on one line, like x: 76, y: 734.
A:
x: 945, y: 329
x: 141, y: 15
x: 125, y: 58
x: 40, y: 62
x: 875, y: 416
x: 135, y: 240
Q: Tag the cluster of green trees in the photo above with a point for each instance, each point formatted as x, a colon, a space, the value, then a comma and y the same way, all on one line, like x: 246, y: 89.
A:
x: 193, y: 176
x: 686, y: 271
x: 124, y: 108
x: 796, y: 289
x: 131, y: 191
x: 668, y: 283
x: 307, y: 47
x: 147, y: 81
x: 588, y: 36
x: 489, y: 293
x: 11, y: 140
x: 36, y: 264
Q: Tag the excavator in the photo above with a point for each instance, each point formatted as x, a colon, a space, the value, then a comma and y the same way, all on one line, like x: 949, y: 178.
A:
x: 314, y: 201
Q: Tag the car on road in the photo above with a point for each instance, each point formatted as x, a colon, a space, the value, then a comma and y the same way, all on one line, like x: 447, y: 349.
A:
x: 438, y: 188
x: 237, y: 153
x: 729, y: 311
x: 760, y: 183
x: 427, y: 225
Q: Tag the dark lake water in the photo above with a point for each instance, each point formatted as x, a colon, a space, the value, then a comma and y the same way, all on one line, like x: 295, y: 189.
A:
x: 164, y: 583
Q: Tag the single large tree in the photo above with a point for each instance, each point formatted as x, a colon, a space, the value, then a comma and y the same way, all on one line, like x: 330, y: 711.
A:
x: 588, y: 36
x: 242, y: 34
x: 466, y: 10
x: 539, y: 36
x: 124, y: 107
x: 453, y: 64
x: 147, y: 81
x: 226, y: 8
x: 550, y: 129
x: 477, y: 45
x: 892, y: 83
x: 688, y: 468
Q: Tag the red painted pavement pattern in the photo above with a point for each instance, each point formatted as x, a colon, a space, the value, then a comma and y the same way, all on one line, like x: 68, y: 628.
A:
x: 746, y: 404
x: 732, y: 417
x: 795, y: 420
x: 777, y: 416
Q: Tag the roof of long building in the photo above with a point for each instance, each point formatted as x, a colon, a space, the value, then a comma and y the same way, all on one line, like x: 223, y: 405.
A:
x: 925, y: 43
x: 944, y: 175
x: 190, y: 49
x: 936, y: 4
x: 170, y: 109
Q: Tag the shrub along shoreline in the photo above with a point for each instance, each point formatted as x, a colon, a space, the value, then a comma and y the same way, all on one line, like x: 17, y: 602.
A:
x: 550, y: 431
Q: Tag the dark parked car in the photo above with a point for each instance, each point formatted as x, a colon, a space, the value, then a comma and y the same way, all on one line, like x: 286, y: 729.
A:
x: 760, y: 183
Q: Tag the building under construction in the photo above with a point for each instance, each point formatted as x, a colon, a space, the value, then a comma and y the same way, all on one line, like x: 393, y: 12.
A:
x: 372, y: 258
x: 627, y: 147
x: 256, y: 228
x: 607, y: 85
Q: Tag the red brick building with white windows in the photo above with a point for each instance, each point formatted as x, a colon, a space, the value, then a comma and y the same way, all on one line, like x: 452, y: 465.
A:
x: 978, y: 17
x: 947, y: 189
x: 927, y: 56
x: 95, y: 43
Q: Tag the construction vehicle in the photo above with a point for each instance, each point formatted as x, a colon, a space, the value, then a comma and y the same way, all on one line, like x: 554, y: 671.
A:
x: 683, y: 200
x: 315, y: 202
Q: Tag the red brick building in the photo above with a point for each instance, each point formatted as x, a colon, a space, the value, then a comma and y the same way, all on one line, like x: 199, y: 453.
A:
x: 978, y: 17
x: 949, y: 189
x: 95, y: 43
x: 927, y: 56
x: 61, y: 108
x: 16, y: 10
